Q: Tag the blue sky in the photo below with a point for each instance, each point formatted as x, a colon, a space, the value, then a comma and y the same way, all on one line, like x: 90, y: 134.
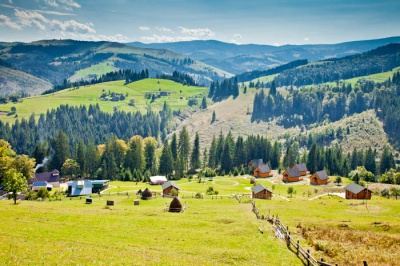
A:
x: 274, y: 22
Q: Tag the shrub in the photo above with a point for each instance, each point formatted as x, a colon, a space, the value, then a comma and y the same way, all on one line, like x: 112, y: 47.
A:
x: 43, y: 193
x: 198, y: 195
x: 31, y: 195
x: 235, y: 171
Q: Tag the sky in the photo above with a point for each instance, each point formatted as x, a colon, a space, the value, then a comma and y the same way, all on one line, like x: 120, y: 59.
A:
x: 272, y: 22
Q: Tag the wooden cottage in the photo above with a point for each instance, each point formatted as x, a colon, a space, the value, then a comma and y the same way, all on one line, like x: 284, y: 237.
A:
x: 261, y: 192
x: 51, y: 178
x: 291, y: 175
x: 319, y: 178
x: 355, y: 191
x: 257, y: 162
x: 262, y: 171
x: 168, y: 186
x: 302, y: 169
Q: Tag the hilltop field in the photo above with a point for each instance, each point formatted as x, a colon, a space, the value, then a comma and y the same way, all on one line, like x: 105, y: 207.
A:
x: 177, y: 98
x: 69, y: 231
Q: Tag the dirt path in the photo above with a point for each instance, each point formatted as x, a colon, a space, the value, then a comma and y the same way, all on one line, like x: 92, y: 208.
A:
x: 341, y: 195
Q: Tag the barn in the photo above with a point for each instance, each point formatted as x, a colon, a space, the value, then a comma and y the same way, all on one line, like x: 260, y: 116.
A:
x: 302, y: 169
x: 319, y: 178
x: 168, y: 186
x: 157, y: 180
x: 291, y: 175
x: 261, y: 192
x: 51, y: 178
x: 262, y: 171
x: 355, y: 191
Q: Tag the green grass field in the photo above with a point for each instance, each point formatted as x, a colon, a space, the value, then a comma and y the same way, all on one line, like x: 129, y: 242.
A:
x: 98, y: 69
x: 215, y: 230
x: 178, y: 98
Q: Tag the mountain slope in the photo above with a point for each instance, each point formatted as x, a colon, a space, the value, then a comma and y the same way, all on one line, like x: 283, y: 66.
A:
x: 56, y: 60
x: 247, y: 57
x: 15, y: 82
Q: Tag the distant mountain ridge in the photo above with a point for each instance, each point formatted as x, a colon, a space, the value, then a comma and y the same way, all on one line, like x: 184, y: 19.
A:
x: 238, y: 59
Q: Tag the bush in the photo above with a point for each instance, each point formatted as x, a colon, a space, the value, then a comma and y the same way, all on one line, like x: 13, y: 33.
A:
x: 235, y: 171
x: 385, y: 193
x: 31, y: 195
x: 43, y: 193
x: 253, y: 180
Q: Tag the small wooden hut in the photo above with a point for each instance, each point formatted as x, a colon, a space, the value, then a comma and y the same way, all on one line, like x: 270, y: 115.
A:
x: 302, y: 169
x: 262, y: 171
x: 319, y: 178
x: 261, y: 192
x: 291, y: 175
x: 355, y: 191
x: 168, y: 186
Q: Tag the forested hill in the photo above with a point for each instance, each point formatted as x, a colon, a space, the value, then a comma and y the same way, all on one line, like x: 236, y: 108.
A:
x: 56, y: 60
x: 378, y: 60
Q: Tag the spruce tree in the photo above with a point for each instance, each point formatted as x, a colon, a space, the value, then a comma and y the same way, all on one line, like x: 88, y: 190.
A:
x: 195, y: 157
x: 166, y: 160
x: 184, y: 147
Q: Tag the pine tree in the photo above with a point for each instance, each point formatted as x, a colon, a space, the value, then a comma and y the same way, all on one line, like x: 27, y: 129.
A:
x: 60, y: 146
x: 204, y: 103
x: 195, y: 158
x: 174, y: 147
x: 312, y: 160
x: 272, y: 91
x: 213, y: 117
x: 92, y: 159
x: 275, y: 156
x: 150, y: 154
x: 226, y: 162
x: 80, y: 158
x: 166, y: 160
x: 205, y: 158
x: 369, y: 161
x: 212, y: 157
x: 184, y: 146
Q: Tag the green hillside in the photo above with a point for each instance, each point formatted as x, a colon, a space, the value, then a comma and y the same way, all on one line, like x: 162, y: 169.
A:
x: 177, y: 99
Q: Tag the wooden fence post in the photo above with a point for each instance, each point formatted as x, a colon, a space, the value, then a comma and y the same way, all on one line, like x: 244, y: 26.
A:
x: 365, y: 263
x: 297, y: 247
x: 308, y: 257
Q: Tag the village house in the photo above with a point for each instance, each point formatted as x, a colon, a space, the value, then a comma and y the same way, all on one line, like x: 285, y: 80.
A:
x: 262, y: 171
x: 168, y: 186
x: 355, y: 191
x: 86, y: 187
x: 291, y: 175
x: 37, y: 185
x: 51, y: 178
x: 157, y: 180
x: 302, y: 169
x: 261, y: 192
x: 319, y: 178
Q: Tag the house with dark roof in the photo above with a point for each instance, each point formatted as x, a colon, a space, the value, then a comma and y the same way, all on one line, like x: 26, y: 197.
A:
x: 257, y: 162
x: 291, y: 175
x: 52, y: 178
x: 302, y: 169
x: 261, y: 192
x: 262, y: 171
x: 319, y: 178
x: 355, y: 191
x: 168, y: 186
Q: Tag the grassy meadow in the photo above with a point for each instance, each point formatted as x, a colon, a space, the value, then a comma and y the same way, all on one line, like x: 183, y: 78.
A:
x: 215, y: 230
x: 178, y: 98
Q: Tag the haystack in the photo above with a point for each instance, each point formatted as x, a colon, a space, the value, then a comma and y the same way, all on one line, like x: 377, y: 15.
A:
x: 146, y: 194
x: 175, y: 205
x: 139, y: 193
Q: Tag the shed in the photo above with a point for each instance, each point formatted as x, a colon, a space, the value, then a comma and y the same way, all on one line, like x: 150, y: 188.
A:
x: 168, y: 186
x: 157, y: 180
x: 261, y: 192
x: 291, y: 175
x: 355, y: 191
x: 319, y: 178
x: 41, y: 184
x: 99, y: 185
x: 262, y: 171
x: 302, y: 169
x: 79, y: 188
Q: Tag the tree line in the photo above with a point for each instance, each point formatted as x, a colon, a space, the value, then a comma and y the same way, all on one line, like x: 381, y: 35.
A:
x: 178, y: 77
x: 126, y: 74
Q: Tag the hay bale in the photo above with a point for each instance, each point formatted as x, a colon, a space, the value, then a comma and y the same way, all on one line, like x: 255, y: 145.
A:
x: 146, y: 194
x: 139, y: 193
x: 175, y: 205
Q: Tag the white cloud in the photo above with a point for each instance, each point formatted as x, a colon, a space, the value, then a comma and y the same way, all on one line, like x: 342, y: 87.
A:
x: 64, y: 4
x: 237, y: 36
x: 163, y: 29
x: 8, y: 23
x: 197, y: 32
x: 72, y: 26
x: 306, y: 39
x: 113, y: 38
x: 56, y: 13
x: 161, y: 39
x: 28, y: 19
x: 144, y: 28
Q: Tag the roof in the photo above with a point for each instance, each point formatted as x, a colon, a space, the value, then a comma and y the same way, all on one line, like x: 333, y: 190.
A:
x: 258, y: 162
x: 258, y: 188
x: 264, y: 168
x: 302, y: 167
x: 156, y: 179
x: 99, y: 182
x: 168, y: 184
x: 293, y: 172
x: 322, y: 175
x: 354, y: 188
x: 40, y: 184
x: 53, y: 176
